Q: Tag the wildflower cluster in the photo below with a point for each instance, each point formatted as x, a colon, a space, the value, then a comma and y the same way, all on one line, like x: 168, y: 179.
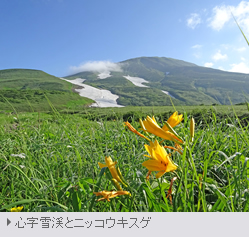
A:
x: 159, y: 159
x: 116, y: 178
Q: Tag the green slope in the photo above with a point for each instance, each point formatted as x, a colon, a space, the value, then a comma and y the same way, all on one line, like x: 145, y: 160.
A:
x: 129, y: 94
x: 188, y: 83
x: 191, y: 83
x: 31, y: 79
x: 33, y: 90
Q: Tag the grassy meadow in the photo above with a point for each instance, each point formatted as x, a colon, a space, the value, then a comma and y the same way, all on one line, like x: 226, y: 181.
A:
x: 50, y: 161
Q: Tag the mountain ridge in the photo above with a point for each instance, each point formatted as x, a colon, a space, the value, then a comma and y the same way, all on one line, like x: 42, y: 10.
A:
x: 143, y: 81
x: 188, y: 83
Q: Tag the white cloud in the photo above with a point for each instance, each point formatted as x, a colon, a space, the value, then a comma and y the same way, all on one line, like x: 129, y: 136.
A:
x: 208, y: 64
x: 222, y: 15
x: 96, y: 66
x: 104, y: 75
x: 240, y: 67
x: 218, y: 56
x: 241, y: 13
x: 242, y: 49
x: 194, y: 20
x: 197, y: 46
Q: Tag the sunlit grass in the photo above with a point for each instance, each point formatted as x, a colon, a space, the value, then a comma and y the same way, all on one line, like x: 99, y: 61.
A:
x: 50, y: 163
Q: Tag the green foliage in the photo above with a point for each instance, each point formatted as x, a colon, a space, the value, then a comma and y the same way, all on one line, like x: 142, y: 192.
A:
x: 31, y: 79
x: 37, y: 100
x: 26, y: 90
x: 49, y: 162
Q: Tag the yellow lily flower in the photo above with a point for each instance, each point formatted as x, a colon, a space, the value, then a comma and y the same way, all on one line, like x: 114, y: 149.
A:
x: 132, y: 129
x: 16, y: 209
x: 116, y: 173
x: 111, y: 166
x: 160, y: 160
x: 150, y: 125
x: 110, y: 194
x: 173, y: 120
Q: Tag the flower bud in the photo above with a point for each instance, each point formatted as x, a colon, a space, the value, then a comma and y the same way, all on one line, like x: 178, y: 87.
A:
x: 192, y: 129
x: 121, y: 177
x: 116, y: 184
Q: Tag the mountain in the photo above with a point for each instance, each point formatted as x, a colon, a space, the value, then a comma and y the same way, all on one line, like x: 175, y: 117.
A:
x: 169, y: 79
x: 30, y: 90
x: 143, y: 81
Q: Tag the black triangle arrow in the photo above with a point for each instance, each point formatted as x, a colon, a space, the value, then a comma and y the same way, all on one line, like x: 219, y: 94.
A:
x: 8, y: 221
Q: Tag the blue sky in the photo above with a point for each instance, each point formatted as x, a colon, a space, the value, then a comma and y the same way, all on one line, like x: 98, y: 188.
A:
x: 61, y: 37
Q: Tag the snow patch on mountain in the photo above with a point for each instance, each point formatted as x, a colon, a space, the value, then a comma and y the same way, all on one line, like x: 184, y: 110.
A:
x: 166, y: 92
x: 103, y: 98
x: 104, y: 75
x: 137, y: 81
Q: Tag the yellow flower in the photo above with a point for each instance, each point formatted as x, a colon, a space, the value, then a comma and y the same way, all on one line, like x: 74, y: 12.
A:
x: 160, y: 160
x: 110, y: 194
x: 111, y: 166
x: 16, y: 209
x: 131, y: 128
x: 173, y: 120
x: 150, y: 125
x: 116, y: 173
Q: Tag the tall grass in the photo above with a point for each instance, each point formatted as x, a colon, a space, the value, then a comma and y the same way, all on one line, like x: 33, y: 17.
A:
x: 50, y: 163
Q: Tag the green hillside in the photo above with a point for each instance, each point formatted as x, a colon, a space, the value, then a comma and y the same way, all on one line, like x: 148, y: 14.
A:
x: 31, y: 79
x: 33, y: 90
x: 188, y: 83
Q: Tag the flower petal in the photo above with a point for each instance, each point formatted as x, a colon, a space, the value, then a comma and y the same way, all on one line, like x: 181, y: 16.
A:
x: 160, y: 159
x: 160, y: 174
x: 132, y: 129
x: 16, y: 209
x: 152, y: 127
x: 153, y: 165
x: 173, y: 120
x: 102, y: 165
x: 110, y: 194
x: 171, y: 167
